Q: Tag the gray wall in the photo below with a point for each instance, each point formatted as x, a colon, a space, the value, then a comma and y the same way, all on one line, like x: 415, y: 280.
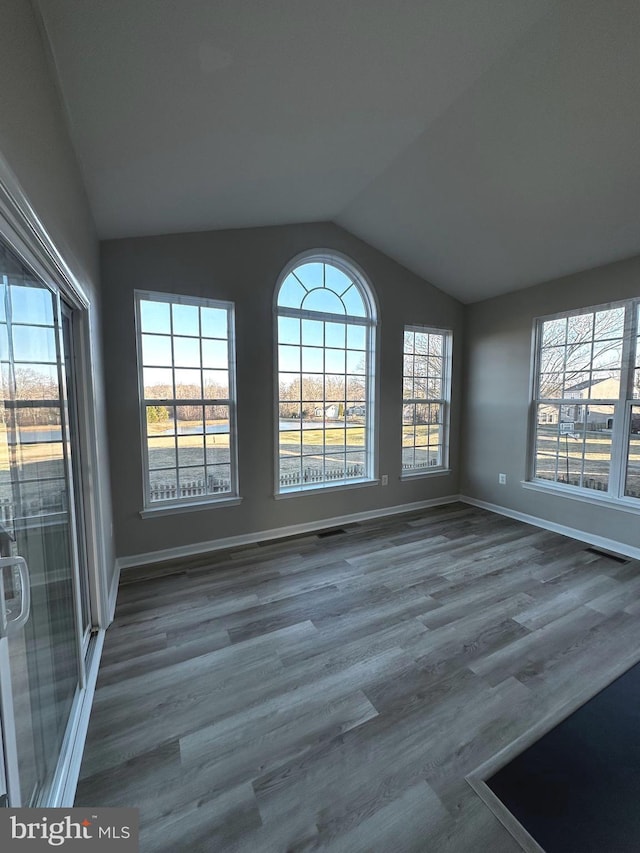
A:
x: 35, y: 143
x: 496, y: 398
x: 243, y: 266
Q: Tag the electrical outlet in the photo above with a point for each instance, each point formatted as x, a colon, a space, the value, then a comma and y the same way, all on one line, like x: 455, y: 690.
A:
x: 502, y: 479
x: 384, y: 479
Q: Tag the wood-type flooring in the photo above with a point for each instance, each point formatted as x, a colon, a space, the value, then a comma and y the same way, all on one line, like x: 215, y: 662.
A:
x: 332, y: 692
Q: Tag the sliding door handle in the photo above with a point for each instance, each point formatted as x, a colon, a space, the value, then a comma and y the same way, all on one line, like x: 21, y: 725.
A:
x: 10, y: 626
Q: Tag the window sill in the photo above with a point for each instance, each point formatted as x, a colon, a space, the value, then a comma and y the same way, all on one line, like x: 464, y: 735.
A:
x: 317, y: 489
x: 196, y: 506
x: 420, y: 473
x: 574, y: 493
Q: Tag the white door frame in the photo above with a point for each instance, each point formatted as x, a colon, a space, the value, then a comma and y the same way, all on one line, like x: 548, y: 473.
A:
x: 9, y: 773
x: 21, y: 227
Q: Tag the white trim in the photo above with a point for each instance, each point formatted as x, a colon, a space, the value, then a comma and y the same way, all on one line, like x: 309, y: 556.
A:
x: 417, y: 473
x: 22, y: 220
x: 343, y: 262
x: 182, y: 551
x: 582, y: 536
x: 322, y: 488
x: 9, y: 755
x: 444, y: 401
x: 91, y: 492
x: 173, y: 402
x: 588, y: 309
x: 66, y: 793
x: 113, y: 591
x: 22, y: 228
x: 325, y: 316
x: 577, y: 493
x: 172, y: 509
x: 360, y: 280
x: 59, y: 269
x: 620, y: 435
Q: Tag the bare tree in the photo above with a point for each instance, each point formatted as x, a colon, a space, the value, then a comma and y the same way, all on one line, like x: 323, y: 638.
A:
x: 586, y: 348
x: 188, y: 412
x: 423, y: 371
x: 29, y: 384
x: 304, y: 394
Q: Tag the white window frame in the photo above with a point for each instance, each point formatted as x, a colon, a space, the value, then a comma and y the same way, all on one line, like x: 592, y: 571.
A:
x: 188, y: 503
x: 444, y: 402
x: 22, y: 229
x: 620, y: 435
x: 351, y: 269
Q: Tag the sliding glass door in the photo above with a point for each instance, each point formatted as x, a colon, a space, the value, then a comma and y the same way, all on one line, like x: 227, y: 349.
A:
x: 43, y: 604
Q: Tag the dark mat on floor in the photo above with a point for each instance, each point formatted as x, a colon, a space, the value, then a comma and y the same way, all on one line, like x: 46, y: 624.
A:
x: 577, y: 789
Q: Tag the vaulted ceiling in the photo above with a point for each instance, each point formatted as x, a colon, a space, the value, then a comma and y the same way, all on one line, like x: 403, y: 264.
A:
x: 485, y: 144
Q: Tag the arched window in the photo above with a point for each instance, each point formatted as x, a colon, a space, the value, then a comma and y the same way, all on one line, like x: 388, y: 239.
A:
x: 326, y: 320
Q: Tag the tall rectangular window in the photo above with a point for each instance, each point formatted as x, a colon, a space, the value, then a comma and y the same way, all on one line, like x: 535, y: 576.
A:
x: 632, y: 473
x: 426, y: 393
x: 587, y: 400
x: 186, y: 366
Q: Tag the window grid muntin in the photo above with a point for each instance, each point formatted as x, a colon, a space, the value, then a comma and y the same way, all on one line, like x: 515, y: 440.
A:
x: 210, y: 486
x: 627, y: 339
x: 351, y: 465
x: 432, y: 403
x: 635, y: 393
x: 39, y: 484
x: 632, y: 468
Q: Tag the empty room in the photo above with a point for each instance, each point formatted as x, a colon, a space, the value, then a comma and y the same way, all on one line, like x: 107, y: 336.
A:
x: 320, y: 436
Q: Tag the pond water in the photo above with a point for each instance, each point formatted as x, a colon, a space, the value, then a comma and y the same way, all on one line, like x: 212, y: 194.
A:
x: 285, y: 424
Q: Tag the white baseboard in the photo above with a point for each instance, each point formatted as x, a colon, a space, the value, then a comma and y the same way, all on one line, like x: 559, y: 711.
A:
x: 197, y: 548
x: 113, y: 592
x: 572, y: 532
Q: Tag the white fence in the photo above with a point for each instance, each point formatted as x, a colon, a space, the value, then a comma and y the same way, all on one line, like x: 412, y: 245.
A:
x: 194, y: 489
x: 42, y: 505
x: 315, y: 475
x: 432, y: 463
x: 6, y: 511
x: 220, y: 485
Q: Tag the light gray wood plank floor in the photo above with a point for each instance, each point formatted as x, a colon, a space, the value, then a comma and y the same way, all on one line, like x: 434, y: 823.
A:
x: 332, y: 692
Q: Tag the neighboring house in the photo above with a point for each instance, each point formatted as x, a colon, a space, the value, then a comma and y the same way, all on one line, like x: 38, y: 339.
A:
x: 598, y: 416
x: 594, y: 389
x: 331, y: 411
x: 356, y: 411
